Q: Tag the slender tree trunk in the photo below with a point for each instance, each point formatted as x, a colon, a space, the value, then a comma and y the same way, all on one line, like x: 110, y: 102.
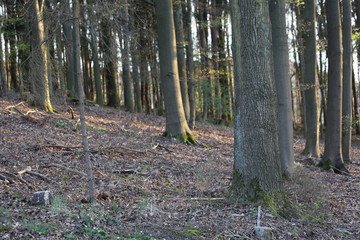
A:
x: 69, y: 51
x: 176, y: 125
x: 40, y: 58
x: 347, y: 82
x: 310, y: 84
x: 190, y: 65
x: 135, y: 76
x: 355, y: 101
x: 3, y: 85
x: 332, y: 154
x: 81, y: 101
x: 283, y: 88
x: 180, y: 42
x: 257, y: 167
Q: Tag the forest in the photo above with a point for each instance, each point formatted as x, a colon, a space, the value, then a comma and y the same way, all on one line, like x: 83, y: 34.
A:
x: 179, y: 119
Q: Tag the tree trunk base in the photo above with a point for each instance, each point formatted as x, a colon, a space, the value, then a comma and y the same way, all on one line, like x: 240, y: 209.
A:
x: 186, y: 138
x: 338, y: 167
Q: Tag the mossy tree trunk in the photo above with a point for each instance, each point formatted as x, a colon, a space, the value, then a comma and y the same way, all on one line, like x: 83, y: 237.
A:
x: 257, y: 168
x: 176, y: 125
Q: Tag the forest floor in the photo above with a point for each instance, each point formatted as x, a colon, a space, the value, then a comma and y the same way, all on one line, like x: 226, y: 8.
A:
x: 149, y: 186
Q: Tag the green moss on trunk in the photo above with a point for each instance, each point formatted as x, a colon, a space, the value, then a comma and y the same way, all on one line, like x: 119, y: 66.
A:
x: 187, y: 137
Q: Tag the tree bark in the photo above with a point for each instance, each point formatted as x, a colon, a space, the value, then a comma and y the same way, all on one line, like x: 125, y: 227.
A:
x: 128, y: 83
x: 190, y: 65
x: 40, y: 59
x: 176, y: 125
x: 332, y: 154
x: 180, y: 43
x: 347, y: 81
x: 283, y: 88
x: 310, y: 84
x: 257, y: 168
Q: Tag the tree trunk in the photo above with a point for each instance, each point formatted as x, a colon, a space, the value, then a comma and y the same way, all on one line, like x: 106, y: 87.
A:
x: 81, y: 101
x: 347, y: 82
x: 3, y: 80
x: 176, y: 125
x: 40, y: 58
x: 69, y: 51
x: 128, y: 83
x: 310, y: 84
x: 135, y: 75
x: 180, y: 43
x: 283, y: 88
x: 257, y: 167
x: 332, y: 154
x: 190, y: 65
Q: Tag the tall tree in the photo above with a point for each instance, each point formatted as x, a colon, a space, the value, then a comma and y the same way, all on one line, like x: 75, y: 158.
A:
x: 128, y: 83
x: 176, y: 125
x: 283, y: 87
x: 332, y: 157
x: 40, y: 58
x: 190, y: 64
x: 257, y: 168
x: 309, y: 81
x: 79, y: 80
x: 347, y: 81
x: 180, y: 43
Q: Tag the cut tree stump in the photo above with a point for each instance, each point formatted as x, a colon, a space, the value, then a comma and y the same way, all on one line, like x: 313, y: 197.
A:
x: 41, y: 198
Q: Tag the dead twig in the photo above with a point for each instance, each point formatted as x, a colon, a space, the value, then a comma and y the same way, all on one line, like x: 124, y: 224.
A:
x: 18, y: 177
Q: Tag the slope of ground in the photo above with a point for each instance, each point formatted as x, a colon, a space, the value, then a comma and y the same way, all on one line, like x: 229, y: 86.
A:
x: 149, y: 186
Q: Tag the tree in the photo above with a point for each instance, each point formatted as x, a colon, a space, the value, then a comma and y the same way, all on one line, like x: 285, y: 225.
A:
x: 283, y: 87
x: 309, y: 81
x: 128, y: 83
x: 40, y: 58
x: 176, y: 125
x: 180, y: 42
x: 332, y: 157
x: 79, y: 81
x: 190, y: 64
x: 347, y: 81
x: 257, y: 168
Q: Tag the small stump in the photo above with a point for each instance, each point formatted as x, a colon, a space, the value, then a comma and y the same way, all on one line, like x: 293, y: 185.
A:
x: 41, y: 198
x: 263, y: 233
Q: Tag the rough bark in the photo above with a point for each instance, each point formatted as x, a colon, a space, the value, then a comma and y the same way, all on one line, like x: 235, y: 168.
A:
x: 176, y: 125
x: 283, y: 88
x: 257, y: 167
x: 309, y: 81
x: 332, y: 158
x: 347, y: 81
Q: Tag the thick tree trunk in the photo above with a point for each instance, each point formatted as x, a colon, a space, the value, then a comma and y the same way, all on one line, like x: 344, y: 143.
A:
x: 176, y: 125
x: 347, y: 81
x: 283, y: 88
x: 180, y: 43
x: 310, y: 84
x: 40, y: 59
x: 332, y: 154
x: 257, y: 167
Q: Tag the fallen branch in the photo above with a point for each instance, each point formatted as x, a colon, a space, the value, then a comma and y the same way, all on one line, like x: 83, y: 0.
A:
x: 94, y: 150
x: 197, y: 199
x: 39, y: 175
x: 65, y: 168
x: 18, y: 177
